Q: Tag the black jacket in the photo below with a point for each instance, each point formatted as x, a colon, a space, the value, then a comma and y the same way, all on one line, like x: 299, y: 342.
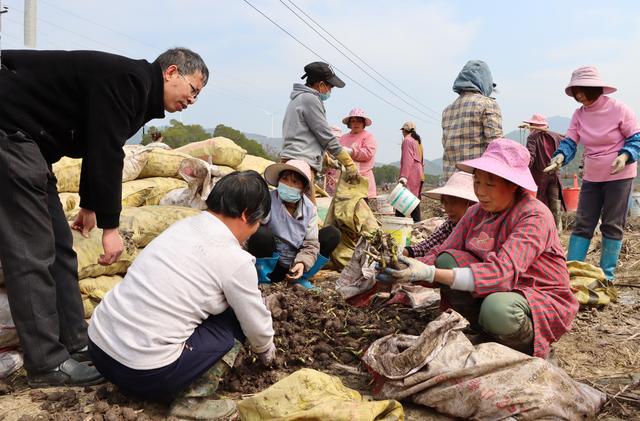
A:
x: 81, y: 104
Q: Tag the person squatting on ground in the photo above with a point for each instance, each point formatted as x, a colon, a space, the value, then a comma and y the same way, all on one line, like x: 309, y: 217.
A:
x: 610, y: 133
x: 185, y: 300
x: 81, y: 104
x: 288, y: 245
x: 542, y: 143
x: 361, y: 146
x: 456, y: 197
x: 306, y: 133
x: 411, y: 165
x: 502, y: 267
x: 473, y: 119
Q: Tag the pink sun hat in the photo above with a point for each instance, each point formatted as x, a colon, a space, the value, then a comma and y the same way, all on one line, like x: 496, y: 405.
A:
x: 507, y: 159
x: 357, y: 112
x: 588, y: 76
x: 537, y: 120
x: 460, y: 184
x: 272, y: 172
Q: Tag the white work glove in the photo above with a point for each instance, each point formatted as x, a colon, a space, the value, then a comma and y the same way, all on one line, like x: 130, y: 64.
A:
x: 416, y: 271
x: 403, y: 181
x: 268, y: 357
x: 618, y: 164
x: 555, y: 164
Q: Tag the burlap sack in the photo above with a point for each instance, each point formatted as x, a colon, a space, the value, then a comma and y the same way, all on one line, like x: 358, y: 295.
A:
x: 89, y: 250
x: 67, y: 171
x: 255, y: 163
x: 163, y: 163
x: 93, y: 291
x: 218, y: 150
x: 441, y: 369
x: 135, y: 159
x: 148, y: 191
x: 147, y: 222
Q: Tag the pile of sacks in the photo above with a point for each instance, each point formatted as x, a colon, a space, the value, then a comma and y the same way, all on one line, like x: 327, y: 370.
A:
x: 159, y: 187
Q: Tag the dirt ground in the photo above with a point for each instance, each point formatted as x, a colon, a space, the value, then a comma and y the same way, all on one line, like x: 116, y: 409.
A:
x: 318, y: 330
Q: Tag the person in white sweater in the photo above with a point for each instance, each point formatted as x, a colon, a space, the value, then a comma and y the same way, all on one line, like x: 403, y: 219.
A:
x: 189, y: 295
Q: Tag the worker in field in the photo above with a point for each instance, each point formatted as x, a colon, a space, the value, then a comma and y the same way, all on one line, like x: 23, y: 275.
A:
x: 174, y: 325
x: 471, y: 121
x: 305, y: 129
x: 542, y: 143
x: 81, y: 104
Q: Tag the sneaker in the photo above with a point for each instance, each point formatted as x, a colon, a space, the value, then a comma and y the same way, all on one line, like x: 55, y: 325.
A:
x: 69, y: 373
x: 202, y: 408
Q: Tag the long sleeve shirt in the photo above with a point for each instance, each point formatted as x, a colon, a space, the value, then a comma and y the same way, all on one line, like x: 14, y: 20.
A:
x: 194, y: 269
x: 363, y: 147
x: 81, y: 104
x: 469, y: 124
x: 517, y: 250
x: 411, y: 165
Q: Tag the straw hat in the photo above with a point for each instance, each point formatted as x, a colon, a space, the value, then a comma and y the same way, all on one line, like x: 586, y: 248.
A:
x: 272, y: 172
x: 357, y: 112
x: 588, y: 76
x: 507, y: 159
x: 460, y: 184
x: 537, y: 120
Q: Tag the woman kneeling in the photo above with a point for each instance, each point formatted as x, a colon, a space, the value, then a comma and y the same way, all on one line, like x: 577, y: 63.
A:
x: 502, y: 267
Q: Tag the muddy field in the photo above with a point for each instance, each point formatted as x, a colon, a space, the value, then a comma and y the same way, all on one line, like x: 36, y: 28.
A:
x: 318, y: 330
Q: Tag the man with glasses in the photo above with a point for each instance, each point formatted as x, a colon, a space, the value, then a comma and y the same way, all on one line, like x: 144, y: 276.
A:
x: 306, y: 133
x: 82, y: 104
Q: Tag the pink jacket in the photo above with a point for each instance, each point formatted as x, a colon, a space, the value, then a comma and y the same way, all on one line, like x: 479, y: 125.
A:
x: 364, y: 154
x: 411, y: 166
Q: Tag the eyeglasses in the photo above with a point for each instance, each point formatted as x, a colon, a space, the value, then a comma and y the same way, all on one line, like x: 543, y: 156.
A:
x: 194, y: 92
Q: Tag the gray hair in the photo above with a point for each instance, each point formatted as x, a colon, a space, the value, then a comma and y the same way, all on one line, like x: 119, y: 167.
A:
x: 187, y: 61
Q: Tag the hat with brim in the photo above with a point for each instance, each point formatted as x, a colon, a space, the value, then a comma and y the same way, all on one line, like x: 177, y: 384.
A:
x: 357, y: 112
x: 460, y: 184
x: 321, y: 71
x: 504, y: 158
x: 273, y: 171
x: 537, y: 120
x: 588, y: 76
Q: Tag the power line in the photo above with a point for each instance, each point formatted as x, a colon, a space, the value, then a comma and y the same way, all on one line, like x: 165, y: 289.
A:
x: 53, y: 44
x: 352, y: 61
x: 363, y: 61
x: 323, y: 59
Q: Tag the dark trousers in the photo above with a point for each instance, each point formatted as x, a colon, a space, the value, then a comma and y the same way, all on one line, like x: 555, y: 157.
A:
x: 208, y: 344
x: 39, y: 264
x: 609, y: 199
x: 263, y: 244
x: 415, y: 214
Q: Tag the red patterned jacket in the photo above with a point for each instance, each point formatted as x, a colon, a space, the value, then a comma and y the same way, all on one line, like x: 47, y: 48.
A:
x: 518, y: 250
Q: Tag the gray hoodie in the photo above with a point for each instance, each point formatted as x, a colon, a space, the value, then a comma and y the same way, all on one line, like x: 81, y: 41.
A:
x: 305, y: 129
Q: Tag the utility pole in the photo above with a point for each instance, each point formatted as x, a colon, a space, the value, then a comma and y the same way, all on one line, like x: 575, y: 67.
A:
x: 30, y: 16
x: 3, y: 10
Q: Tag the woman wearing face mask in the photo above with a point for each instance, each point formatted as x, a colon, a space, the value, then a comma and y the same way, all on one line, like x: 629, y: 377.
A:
x: 289, y: 245
x: 610, y: 133
x: 456, y: 197
x: 361, y: 145
x: 502, y: 267
x: 411, y: 165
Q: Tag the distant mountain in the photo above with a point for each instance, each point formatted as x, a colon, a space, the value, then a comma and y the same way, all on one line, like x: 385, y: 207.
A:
x: 430, y: 167
x: 273, y: 145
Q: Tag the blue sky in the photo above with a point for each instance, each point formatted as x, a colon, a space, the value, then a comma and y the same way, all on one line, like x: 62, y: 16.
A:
x: 531, y: 48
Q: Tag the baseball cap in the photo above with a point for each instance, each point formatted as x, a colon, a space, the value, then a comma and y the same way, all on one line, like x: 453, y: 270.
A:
x: 321, y: 71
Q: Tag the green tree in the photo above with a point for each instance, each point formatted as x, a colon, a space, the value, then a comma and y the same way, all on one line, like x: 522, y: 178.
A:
x: 252, y: 147
x: 178, y: 134
x: 386, y: 174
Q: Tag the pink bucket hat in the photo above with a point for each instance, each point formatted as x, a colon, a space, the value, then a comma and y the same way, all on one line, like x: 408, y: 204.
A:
x: 587, y: 76
x: 507, y: 159
x: 460, y: 184
x: 537, y: 120
x: 357, y: 112
x: 272, y: 172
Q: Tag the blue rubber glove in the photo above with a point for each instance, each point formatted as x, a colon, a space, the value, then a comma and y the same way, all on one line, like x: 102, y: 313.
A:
x: 415, y: 271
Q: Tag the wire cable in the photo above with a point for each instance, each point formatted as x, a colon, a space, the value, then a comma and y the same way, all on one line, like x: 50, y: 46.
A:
x: 363, y: 61
x: 354, y: 63
x: 323, y: 59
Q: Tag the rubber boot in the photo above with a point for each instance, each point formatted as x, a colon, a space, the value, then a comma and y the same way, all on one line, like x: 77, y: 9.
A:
x: 304, y: 279
x: 264, y: 267
x: 555, y: 205
x: 578, y: 247
x: 609, y: 254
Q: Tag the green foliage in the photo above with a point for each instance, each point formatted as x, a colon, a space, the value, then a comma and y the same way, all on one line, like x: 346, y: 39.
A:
x: 386, y: 174
x: 252, y: 147
x: 178, y: 134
